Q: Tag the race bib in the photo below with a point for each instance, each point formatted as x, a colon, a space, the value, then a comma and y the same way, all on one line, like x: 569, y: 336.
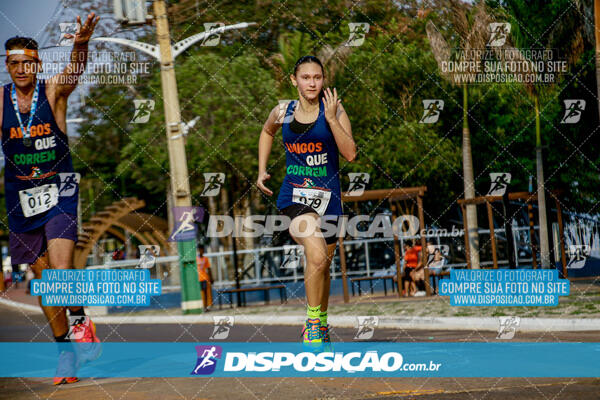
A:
x: 38, y: 199
x: 314, y: 198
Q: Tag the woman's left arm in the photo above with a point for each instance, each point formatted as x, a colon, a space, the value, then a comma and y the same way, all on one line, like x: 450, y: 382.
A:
x: 340, y: 125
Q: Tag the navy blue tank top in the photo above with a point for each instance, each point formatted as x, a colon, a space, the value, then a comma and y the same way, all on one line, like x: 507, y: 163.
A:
x: 312, y: 166
x: 44, y: 161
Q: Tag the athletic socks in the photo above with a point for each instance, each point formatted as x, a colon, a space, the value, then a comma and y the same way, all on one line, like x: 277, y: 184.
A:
x: 323, y: 318
x: 78, y: 312
x: 63, y: 344
x: 62, y: 338
x: 313, y: 312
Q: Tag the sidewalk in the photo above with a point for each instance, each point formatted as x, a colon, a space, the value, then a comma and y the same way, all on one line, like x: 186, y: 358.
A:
x: 19, y: 295
x: 578, y: 312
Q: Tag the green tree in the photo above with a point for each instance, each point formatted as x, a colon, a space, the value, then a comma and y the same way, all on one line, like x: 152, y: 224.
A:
x: 470, y: 28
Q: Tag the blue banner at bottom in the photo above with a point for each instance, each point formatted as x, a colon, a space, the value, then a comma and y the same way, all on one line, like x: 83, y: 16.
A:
x: 356, y: 359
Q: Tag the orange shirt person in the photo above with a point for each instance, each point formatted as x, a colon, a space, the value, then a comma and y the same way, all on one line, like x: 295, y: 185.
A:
x: 413, y: 264
x: 204, y: 277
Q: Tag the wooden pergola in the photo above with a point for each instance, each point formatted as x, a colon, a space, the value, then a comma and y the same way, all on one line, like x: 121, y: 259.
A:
x: 529, y: 198
x: 393, y: 196
x: 117, y: 219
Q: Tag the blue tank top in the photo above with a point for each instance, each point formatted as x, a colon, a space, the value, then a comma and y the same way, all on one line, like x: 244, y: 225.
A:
x: 312, y: 166
x: 41, y: 163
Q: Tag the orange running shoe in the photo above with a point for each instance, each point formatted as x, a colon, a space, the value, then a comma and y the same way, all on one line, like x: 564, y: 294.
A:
x: 66, y: 367
x: 88, y: 344
x: 64, y: 381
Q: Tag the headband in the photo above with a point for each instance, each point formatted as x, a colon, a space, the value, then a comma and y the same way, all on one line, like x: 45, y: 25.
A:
x: 27, y: 52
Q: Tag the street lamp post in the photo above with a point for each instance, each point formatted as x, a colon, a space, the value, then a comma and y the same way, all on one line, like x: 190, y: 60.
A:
x: 165, y: 53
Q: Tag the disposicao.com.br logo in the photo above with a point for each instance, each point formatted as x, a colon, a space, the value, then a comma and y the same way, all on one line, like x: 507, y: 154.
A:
x: 306, y: 362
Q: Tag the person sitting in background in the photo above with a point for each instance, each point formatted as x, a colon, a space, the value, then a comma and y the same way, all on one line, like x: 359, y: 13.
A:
x: 435, y: 262
x: 16, y: 275
x: 7, y: 276
x: 413, y: 268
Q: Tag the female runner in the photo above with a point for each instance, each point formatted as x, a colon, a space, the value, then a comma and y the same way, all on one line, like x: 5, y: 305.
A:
x: 315, y: 129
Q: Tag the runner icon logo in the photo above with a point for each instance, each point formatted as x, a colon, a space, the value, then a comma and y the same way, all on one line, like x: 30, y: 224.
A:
x: 281, y: 108
x: 143, y: 109
x: 222, y: 326
x: 358, y: 31
x: 68, y: 183
x: 207, y: 359
x: 500, y: 181
x: 148, y: 254
x: 431, y: 111
x: 573, y: 111
x: 213, y: 38
x: 185, y: 222
x: 212, y: 183
x: 67, y: 33
x: 498, y: 33
x: 75, y: 320
x: 578, y: 254
x: 508, y: 327
x: 358, y: 183
x: 366, y: 327
x: 292, y: 255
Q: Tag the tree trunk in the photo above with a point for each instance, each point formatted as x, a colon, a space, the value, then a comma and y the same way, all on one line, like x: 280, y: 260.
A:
x: 541, y: 193
x: 174, y: 266
x: 212, y: 210
x: 469, y: 185
x: 224, y: 197
x: 597, y: 36
x: 247, y: 241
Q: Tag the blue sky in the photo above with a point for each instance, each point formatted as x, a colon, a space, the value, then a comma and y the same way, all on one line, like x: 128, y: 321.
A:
x: 24, y: 17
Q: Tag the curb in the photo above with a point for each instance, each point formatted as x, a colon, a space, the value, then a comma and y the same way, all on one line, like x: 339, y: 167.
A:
x: 346, y: 321
x: 21, y: 306
x: 388, y: 322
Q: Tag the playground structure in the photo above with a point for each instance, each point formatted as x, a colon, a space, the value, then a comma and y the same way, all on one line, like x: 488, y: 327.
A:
x: 528, y: 198
x: 119, y: 219
x: 393, y: 197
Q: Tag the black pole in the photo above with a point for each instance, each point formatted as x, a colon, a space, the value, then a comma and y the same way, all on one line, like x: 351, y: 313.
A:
x: 510, y: 244
x: 235, y: 260
x: 551, y: 243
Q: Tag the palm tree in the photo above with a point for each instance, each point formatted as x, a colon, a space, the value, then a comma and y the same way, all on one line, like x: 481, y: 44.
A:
x: 471, y: 26
x: 597, y: 37
x: 567, y: 34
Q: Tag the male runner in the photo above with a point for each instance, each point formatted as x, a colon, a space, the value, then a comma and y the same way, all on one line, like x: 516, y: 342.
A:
x: 42, y: 219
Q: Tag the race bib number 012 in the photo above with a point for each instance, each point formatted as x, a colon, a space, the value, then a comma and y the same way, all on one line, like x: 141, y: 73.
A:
x: 38, y: 199
x: 314, y: 198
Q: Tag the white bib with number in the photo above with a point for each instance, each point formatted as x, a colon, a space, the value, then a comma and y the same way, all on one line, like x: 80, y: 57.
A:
x: 314, y: 198
x: 38, y: 199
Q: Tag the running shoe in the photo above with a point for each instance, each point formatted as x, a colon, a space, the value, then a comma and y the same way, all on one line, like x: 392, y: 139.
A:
x: 66, y: 368
x: 327, y: 346
x: 311, y: 334
x: 88, y: 344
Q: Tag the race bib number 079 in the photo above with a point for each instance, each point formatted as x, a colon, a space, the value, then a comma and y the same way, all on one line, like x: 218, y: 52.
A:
x: 38, y: 199
x: 314, y: 198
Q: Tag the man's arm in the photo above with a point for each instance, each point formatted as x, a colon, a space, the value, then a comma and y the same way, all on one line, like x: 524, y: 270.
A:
x: 65, y: 82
